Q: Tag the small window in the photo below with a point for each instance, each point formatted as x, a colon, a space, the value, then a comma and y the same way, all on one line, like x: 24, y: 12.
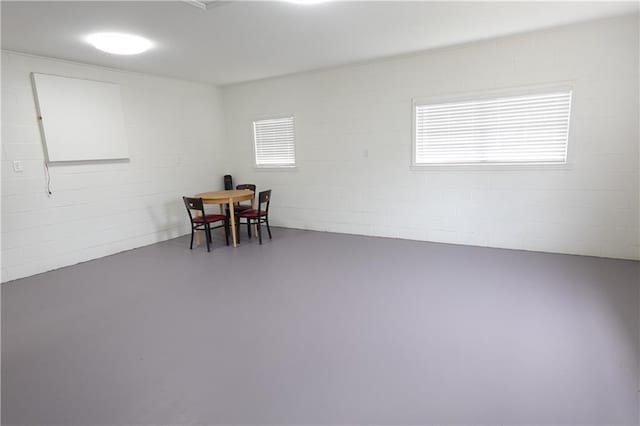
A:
x: 274, y: 142
x: 531, y: 128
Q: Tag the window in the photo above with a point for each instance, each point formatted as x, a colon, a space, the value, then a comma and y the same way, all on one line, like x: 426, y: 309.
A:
x: 274, y: 142
x: 530, y: 128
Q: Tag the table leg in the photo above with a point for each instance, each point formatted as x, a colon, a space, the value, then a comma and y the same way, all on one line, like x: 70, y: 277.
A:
x: 233, y: 223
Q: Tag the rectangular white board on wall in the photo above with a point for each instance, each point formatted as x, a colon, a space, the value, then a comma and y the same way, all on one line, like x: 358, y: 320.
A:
x: 81, y: 120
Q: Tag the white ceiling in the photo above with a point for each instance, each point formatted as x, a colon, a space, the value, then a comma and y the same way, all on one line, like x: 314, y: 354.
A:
x: 240, y: 41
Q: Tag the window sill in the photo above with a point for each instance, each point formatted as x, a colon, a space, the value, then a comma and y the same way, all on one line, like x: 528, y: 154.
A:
x: 275, y: 168
x: 492, y: 167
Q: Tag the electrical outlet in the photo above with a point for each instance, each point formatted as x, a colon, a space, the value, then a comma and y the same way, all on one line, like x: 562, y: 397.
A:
x: 18, y: 166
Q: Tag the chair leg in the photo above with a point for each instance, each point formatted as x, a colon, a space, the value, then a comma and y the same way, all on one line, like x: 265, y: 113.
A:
x: 226, y: 231
x: 249, y: 228
x: 192, y: 232
x: 207, y: 231
x: 259, y: 231
x: 266, y: 220
x: 237, y: 230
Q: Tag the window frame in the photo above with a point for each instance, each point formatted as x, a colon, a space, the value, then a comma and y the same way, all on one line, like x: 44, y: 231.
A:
x: 486, y: 95
x: 273, y: 167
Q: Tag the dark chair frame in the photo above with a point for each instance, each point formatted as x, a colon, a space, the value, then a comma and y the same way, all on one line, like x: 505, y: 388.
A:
x: 204, y: 225
x: 256, y: 216
x: 239, y: 208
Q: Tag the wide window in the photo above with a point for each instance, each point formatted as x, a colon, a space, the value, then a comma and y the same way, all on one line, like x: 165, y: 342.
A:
x: 274, y: 142
x: 519, y: 129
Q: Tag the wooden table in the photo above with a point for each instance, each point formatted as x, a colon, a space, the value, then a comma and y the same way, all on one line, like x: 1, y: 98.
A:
x: 228, y: 197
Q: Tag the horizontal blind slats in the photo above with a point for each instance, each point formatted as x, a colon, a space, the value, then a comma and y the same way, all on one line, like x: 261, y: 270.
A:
x: 514, y: 100
x: 428, y: 110
x: 524, y: 128
x: 274, y: 142
x: 479, y: 122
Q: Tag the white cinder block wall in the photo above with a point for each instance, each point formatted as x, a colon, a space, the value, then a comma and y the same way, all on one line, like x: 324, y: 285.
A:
x: 174, y: 132
x: 353, y: 129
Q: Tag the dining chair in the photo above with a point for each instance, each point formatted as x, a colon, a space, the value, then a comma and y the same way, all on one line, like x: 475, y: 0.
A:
x: 258, y: 216
x: 203, y: 221
x: 238, y: 207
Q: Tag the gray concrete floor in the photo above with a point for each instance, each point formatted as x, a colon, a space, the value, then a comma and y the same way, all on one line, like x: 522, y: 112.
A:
x: 320, y: 328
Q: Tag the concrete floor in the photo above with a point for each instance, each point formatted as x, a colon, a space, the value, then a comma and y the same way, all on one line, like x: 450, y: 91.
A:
x: 320, y: 328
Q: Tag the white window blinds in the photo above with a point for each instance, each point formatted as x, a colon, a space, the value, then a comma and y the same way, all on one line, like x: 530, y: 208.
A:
x: 530, y: 128
x: 274, y: 142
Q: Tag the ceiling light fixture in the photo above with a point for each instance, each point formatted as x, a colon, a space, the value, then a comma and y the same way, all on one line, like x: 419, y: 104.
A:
x: 307, y: 2
x: 205, y: 4
x: 119, y: 44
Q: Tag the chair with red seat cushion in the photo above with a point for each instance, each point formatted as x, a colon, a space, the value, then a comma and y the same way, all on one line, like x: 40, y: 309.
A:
x: 203, y: 221
x: 258, y: 216
x: 241, y: 207
x: 238, y: 207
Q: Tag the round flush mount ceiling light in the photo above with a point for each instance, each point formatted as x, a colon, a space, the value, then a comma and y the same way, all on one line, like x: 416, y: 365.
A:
x: 307, y: 1
x: 119, y: 44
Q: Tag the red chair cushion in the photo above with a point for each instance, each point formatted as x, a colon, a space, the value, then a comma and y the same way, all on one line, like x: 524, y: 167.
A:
x: 251, y: 213
x: 209, y: 218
